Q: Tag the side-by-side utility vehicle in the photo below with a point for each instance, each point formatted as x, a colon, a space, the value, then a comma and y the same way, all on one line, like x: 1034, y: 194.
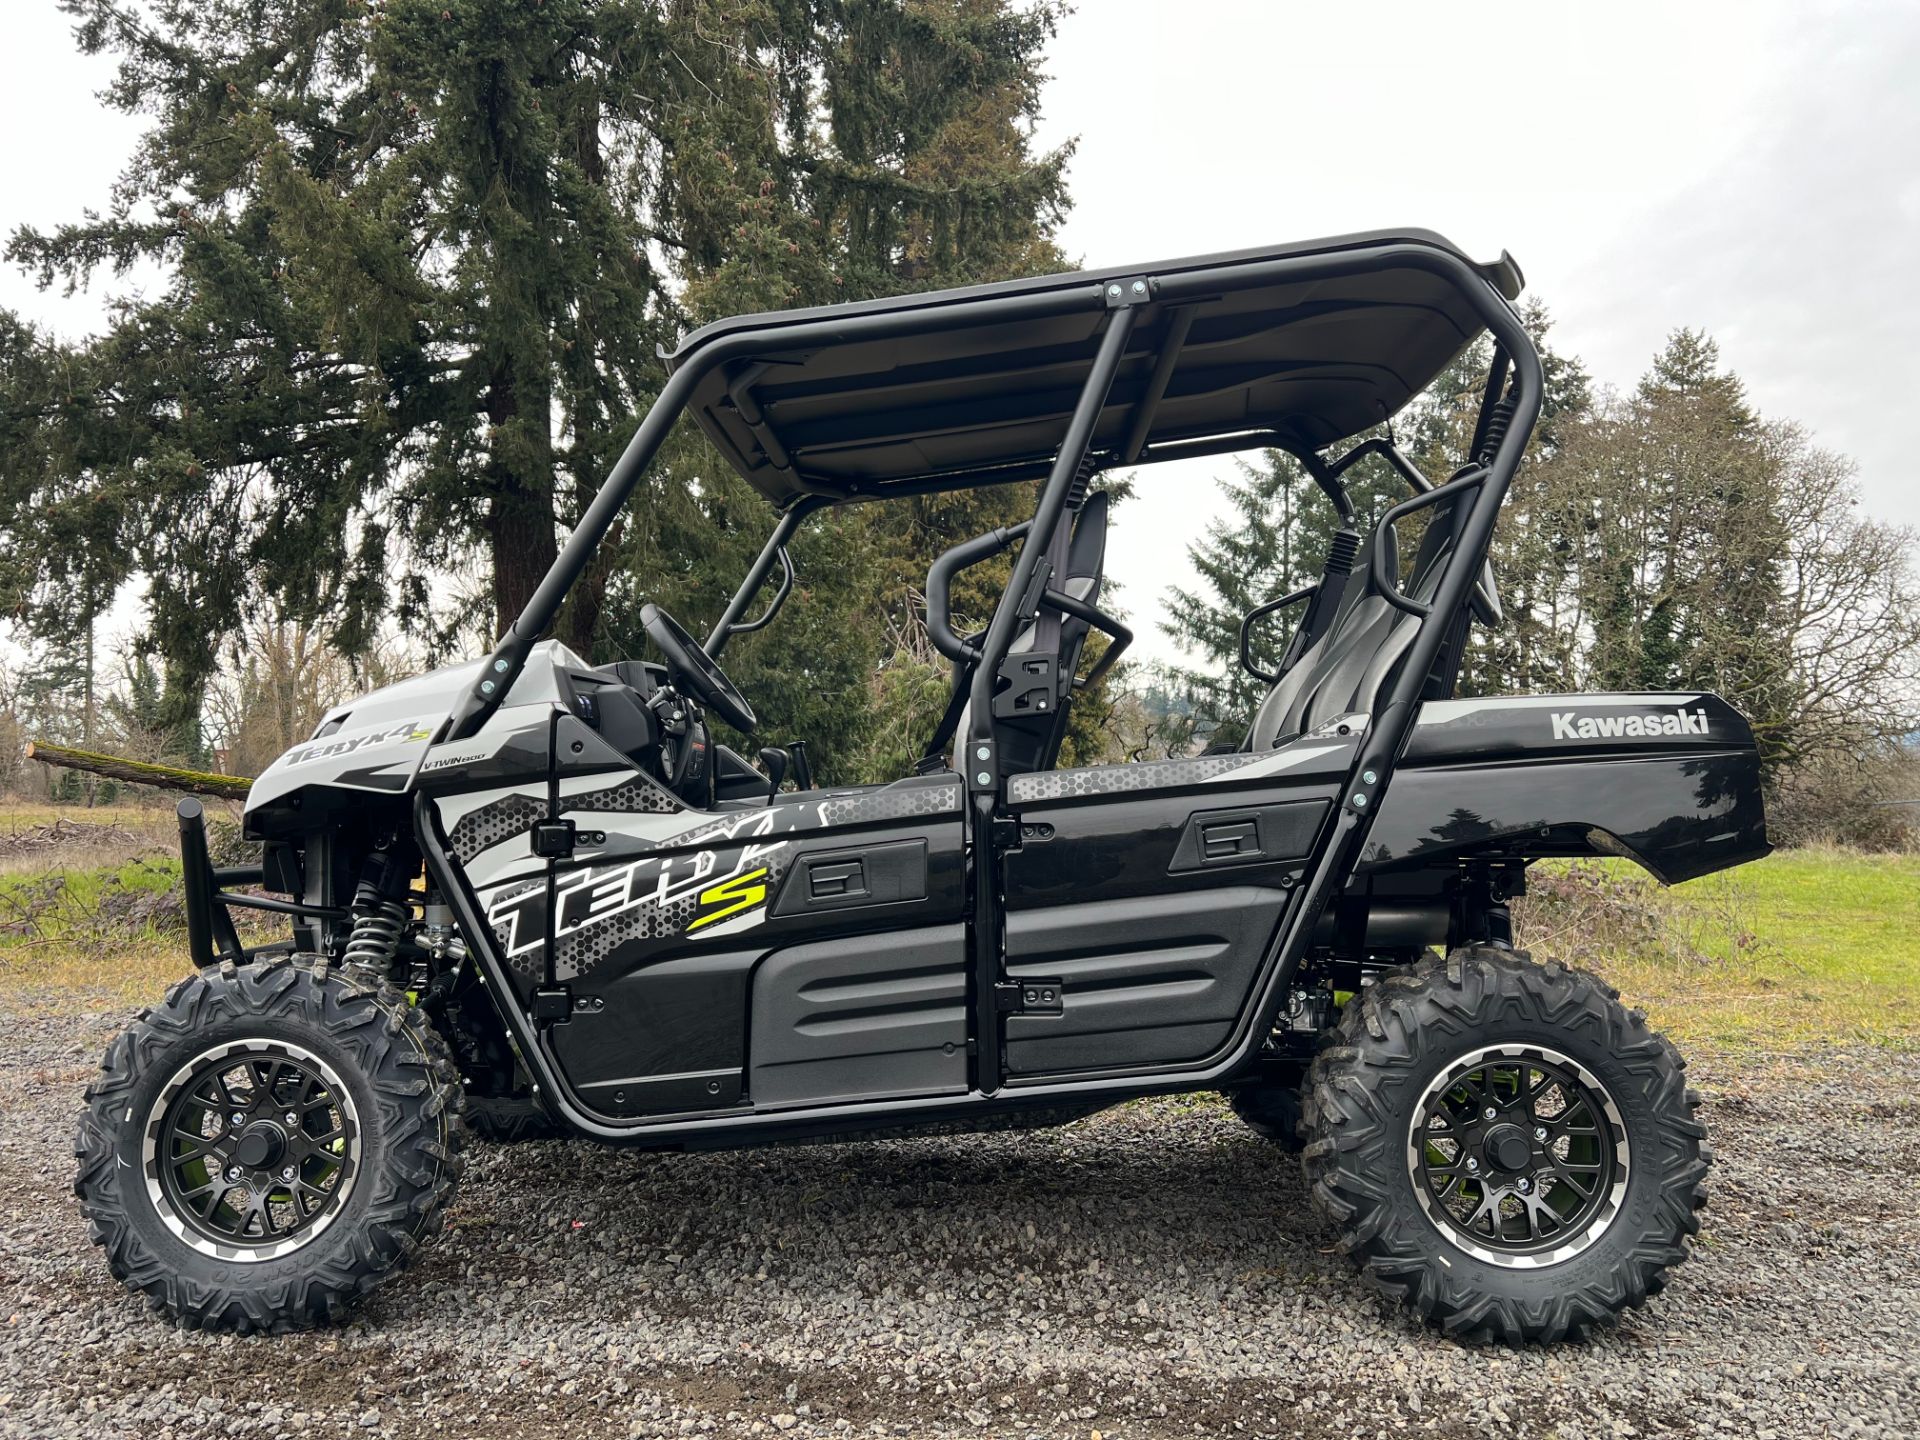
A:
x: 535, y: 890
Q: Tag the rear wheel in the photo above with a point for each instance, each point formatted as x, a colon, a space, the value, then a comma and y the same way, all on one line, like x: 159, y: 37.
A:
x: 1504, y: 1146
x: 268, y: 1144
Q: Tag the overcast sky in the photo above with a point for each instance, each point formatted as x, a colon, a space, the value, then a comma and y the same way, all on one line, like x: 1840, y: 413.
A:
x: 1750, y: 169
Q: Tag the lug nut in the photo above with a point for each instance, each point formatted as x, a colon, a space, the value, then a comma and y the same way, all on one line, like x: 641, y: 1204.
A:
x: 1526, y: 1186
x: 287, y: 1172
x: 291, y: 1118
x: 236, y: 1119
x: 233, y: 1172
x: 1539, y: 1132
x: 1490, y: 1112
x: 1473, y: 1165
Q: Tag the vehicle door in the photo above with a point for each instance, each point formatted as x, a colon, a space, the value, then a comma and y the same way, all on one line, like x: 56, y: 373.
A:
x: 1142, y: 899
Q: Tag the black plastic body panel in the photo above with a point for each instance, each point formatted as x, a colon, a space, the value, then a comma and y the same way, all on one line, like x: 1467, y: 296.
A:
x: 1123, y: 846
x: 1152, y: 980
x: 861, y: 1017
x: 663, y: 1038
x: 1672, y: 781
x: 1155, y: 942
x: 1680, y: 817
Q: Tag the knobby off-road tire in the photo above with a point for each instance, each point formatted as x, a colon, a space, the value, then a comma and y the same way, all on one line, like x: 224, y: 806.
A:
x: 1273, y: 1112
x: 509, y: 1119
x: 334, y: 1141
x: 1403, y: 1054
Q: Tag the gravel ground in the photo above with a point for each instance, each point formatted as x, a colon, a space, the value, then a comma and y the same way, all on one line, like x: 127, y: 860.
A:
x: 1153, y: 1271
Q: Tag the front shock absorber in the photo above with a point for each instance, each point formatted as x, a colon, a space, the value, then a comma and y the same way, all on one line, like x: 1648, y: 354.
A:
x: 380, y: 918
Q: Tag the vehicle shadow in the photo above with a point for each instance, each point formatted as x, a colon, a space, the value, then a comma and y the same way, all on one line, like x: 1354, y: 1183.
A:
x: 1135, y: 1214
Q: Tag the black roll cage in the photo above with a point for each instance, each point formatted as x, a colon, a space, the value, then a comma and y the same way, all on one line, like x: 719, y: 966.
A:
x: 1510, y: 406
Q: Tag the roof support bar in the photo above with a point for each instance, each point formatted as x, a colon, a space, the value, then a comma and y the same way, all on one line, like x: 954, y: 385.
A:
x: 1392, y: 454
x: 1179, y: 322
x: 979, y: 761
x: 509, y: 656
x: 1392, y: 721
x: 741, y: 389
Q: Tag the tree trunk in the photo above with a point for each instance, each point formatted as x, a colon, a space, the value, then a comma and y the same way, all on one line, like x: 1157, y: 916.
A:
x: 140, y: 772
x: 520, y: 538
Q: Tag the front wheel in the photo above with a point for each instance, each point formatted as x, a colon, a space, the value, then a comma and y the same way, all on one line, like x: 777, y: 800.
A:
x: 1504, y: 1146
x: 267, y: 1144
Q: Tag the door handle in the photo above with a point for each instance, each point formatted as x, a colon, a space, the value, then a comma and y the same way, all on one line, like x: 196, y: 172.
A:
x: 836, y: 877
x: 1229, y: 840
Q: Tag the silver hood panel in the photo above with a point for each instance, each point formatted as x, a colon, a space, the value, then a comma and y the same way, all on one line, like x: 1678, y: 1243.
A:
x: 376, y: 743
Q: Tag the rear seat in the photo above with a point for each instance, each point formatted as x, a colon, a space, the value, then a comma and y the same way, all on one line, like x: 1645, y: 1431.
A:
x: 1361, y: 651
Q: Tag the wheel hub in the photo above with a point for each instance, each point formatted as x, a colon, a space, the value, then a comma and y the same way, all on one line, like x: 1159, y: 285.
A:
x: 260, y: 1147
x: 1507, y: 1149
x: 1518, y: 1155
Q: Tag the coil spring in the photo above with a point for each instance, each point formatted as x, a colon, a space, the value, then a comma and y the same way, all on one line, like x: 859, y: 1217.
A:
x: 1082, y: 481
x: 1497, y: 424
x: 1342, y: 551
x: 378, y: 924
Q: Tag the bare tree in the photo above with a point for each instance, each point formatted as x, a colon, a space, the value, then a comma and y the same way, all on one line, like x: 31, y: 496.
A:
x: 1850, y: 601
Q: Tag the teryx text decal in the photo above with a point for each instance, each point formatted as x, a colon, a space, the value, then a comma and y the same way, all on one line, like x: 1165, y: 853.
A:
x: 410, y: 732
x: 692, y: 888
x: 1569, y: 726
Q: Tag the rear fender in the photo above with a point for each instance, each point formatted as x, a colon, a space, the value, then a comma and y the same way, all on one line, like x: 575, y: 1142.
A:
x: 1669, y: 780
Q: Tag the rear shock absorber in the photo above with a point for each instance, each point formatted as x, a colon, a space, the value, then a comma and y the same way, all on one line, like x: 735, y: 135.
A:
x: 380, y: 918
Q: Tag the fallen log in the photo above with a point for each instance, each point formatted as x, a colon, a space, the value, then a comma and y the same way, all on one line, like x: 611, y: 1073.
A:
x: 141, y: 772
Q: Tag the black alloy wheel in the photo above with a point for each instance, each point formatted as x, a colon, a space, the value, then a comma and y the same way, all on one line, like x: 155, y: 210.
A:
x: 252, y: 1149
x: 1504, y: 1147
x: 1519, y: 1155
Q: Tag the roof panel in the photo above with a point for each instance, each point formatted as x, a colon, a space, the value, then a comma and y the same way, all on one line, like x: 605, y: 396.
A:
x: 1317, y: 356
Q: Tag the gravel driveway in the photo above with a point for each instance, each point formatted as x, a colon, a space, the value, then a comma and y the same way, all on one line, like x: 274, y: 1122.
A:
x: 1153, y: 1271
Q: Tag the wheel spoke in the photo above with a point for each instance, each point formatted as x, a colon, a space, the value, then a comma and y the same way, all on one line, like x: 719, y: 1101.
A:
x: 1585, y: 1192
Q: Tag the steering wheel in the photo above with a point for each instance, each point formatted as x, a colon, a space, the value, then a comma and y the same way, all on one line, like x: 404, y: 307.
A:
x: 695, y: 669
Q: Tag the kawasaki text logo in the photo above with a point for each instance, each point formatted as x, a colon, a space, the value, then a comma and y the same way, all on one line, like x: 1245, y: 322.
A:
x: 1568, y: 726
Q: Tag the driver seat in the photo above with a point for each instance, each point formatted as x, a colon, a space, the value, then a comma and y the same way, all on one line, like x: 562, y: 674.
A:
x: 1030, y: 739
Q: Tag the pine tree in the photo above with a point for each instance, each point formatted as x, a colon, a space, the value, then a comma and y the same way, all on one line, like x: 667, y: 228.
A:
x: 421, y: 255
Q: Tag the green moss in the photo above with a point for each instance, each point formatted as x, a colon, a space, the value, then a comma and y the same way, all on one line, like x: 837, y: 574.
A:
x: 84, y: 906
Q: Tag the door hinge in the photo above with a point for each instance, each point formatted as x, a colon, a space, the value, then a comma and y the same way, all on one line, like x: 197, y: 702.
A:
x: 1007, y: 832
x: 551, y: 1004
x: 1028, y: 997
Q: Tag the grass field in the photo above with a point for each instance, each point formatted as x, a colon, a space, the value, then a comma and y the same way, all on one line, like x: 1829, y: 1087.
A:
x: 1804, y: 948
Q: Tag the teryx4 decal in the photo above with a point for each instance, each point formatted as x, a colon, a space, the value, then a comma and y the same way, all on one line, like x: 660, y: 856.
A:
x: 409, y: 733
